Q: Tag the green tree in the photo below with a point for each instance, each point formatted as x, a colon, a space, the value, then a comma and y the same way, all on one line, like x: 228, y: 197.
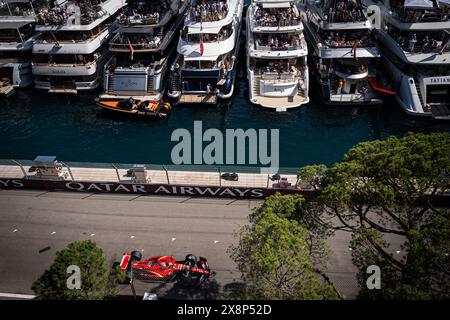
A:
x: 275, y: 261
x: 97, y: 282
x: 295, y: 207
x: 383, y: 190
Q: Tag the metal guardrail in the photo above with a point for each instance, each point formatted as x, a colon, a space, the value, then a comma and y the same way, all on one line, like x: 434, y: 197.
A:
x: 167, y: 171
x: 158, y: 167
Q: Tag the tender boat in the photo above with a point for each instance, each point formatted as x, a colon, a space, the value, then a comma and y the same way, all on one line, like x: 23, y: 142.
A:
x: 143, y: 108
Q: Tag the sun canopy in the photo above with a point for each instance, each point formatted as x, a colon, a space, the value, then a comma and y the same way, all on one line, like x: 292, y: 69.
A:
x: 418, y: 4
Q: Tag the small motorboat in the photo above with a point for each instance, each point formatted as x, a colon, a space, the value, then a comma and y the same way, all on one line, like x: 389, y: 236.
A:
x: 144, y: 108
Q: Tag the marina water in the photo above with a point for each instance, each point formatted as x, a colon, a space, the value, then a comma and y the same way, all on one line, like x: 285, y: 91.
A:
x: 72, y: 128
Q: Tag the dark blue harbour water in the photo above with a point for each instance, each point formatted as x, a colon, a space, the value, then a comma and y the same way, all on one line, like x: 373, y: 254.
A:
x: 74, y: 129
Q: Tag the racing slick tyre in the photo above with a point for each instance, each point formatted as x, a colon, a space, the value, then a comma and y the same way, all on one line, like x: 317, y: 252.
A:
x: 186, y: 278
x: 136, y: 255
x: 203, y: 263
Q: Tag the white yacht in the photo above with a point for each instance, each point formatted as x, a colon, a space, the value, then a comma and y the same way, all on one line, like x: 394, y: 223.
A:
x: 277, y: 68
x: 71, y: 51
x: 414, y: 38
x: 143, y: 48
x: 206, y: 66
x: 344, y: 52
x: 17, y: 33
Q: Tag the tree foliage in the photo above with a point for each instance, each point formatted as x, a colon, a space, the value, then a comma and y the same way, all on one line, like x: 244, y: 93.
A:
x: 275, y: 255
x: 383, y: 190
x: 97, y: 282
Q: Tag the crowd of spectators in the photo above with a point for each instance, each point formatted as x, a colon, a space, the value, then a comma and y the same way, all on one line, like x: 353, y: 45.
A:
x: 279, y: 67
x: 138, y: 41
x: 345, y: 11
x: 207, y: 11
x: 277, y: 17
x: 60, y: 14
x: 349, y: 38
x: 224, y: 33
x: 141, y: 12
x: 422, y: 41
x: 278, y: 41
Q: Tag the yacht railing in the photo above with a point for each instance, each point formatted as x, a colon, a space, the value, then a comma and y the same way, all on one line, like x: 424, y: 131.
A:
x: 149, y: 19
x: 348, y: 44
x: 145, y: 43
x: 280, y: 23
x: 274, y: 77
x: 56, y: 64
x: 279, y: 48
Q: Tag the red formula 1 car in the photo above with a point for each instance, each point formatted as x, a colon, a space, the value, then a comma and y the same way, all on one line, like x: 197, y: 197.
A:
x: 190, y: 271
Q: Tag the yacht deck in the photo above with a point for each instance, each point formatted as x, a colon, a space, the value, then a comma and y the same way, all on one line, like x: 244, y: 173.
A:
x: 198, y: 98
x: 279, y: 103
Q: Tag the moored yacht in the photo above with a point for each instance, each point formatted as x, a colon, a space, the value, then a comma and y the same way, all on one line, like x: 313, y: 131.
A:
x: 414, y: 38
x: 17, y: 33
x: 206, y: 65
x: 277, y: 68
x: 143, y: 49
x: 71, y: 51
x: 343, y: 51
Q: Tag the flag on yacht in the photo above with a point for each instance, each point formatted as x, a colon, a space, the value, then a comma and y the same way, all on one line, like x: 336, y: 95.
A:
x: 201, y: 45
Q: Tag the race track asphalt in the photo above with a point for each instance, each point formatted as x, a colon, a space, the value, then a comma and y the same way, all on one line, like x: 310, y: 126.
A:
x: 35, y: 224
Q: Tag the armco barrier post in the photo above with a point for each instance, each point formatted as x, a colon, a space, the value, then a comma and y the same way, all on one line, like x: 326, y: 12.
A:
x: 167, y: 174
x: 117, y: 171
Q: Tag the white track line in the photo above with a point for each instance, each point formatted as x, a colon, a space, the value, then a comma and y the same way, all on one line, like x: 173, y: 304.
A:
x: 16, y: 295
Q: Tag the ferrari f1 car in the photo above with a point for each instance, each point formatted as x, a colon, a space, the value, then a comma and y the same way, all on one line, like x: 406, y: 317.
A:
x: 190, y: 271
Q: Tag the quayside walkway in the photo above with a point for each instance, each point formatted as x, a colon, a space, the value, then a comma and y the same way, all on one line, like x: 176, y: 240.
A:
x: 47, y: 173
